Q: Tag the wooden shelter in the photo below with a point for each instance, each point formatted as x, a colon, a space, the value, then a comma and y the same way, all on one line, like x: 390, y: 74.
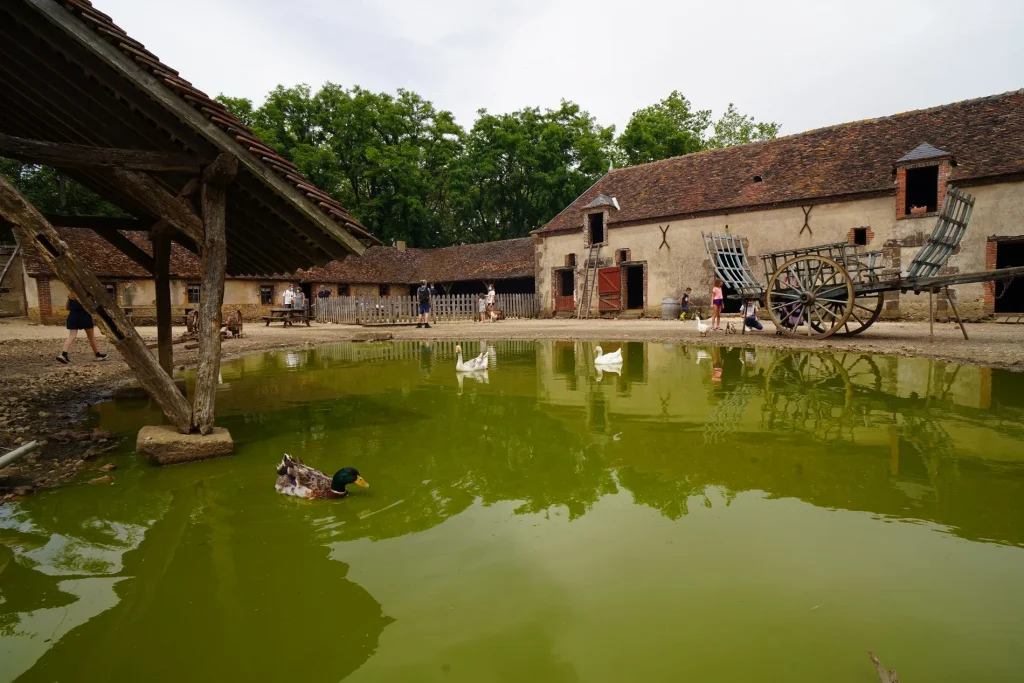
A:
x: 78, y: 94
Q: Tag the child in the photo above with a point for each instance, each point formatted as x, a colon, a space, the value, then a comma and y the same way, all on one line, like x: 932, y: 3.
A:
x: 481, y: 307
x: 750, y: 321
x: 717, y: 302
x: 684, y: 303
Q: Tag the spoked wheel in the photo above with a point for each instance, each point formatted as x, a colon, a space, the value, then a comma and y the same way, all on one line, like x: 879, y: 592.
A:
x: 811, y: 296
x: 865, y: 311
x: 810, y: 393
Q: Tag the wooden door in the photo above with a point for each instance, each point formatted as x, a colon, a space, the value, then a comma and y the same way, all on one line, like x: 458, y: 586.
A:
x: 609, y: 289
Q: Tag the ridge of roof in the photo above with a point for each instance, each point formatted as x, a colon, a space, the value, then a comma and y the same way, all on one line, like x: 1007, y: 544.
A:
x: 104, y: 27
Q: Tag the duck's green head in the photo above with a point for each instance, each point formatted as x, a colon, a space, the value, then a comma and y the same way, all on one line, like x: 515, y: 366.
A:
x: 346, y: 476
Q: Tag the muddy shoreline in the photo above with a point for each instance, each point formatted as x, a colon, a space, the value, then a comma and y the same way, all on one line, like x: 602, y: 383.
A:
x: 45, y: 401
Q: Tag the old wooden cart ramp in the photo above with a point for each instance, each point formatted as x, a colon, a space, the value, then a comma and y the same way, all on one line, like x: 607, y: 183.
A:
x: 837, y: 289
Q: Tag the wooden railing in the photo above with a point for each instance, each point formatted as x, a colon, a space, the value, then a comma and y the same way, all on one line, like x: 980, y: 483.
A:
x: 402, y: 309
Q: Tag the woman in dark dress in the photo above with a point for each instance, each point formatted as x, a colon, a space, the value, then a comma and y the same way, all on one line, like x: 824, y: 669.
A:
x: 78, y: 319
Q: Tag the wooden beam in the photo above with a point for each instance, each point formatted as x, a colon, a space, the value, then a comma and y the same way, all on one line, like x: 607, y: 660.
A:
x: 222, y: 171
x: 151, y: 193
x: 127, y: 68
x: 211, y: 300
x: 95, y: 222
x: 60, y: 155
x: 162, y: 262
x: 32, y: 228
x: 128, y: 248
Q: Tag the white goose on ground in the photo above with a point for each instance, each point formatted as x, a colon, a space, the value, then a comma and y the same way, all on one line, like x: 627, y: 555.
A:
x: 478, y: 363
x: 702, y: 328
x: 613, y: 358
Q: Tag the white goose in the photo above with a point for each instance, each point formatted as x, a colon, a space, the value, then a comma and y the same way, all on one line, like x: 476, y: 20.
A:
x: 702, y: 328
x: 613, y: 358
x: 601, y: 369
x: 478, y: 363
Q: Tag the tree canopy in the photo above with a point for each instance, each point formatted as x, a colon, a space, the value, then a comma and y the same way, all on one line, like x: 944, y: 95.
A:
x: 409, y: 171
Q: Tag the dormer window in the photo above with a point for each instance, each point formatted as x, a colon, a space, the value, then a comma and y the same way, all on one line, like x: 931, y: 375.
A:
x: 595, y: 228
x: 921, y: 177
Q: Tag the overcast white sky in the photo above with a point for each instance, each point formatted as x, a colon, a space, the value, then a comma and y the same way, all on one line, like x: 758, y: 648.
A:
x: 804, y: 63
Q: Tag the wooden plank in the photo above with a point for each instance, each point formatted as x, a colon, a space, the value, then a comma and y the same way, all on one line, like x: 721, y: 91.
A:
x: 127, y: 68
x: 96, y: 222
x: 128, y: 248
x: 162, y: 262
x: 32, y: 228
x: 150, y: 192
x: 61, y: 154
x: 10, y: 260
x: 211, y: 299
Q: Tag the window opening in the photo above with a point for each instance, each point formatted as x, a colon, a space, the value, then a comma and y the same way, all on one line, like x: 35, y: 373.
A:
x: 382, y: 290
x: 922, y: 189
x: 860, y: 236
x: 193, y: 294
x: 267, y: 295
x: 596, y: 223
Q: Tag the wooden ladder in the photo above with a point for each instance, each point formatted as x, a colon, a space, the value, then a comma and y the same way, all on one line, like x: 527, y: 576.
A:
x: 589, y: 280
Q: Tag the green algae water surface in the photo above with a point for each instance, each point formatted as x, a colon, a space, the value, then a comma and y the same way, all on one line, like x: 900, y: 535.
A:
x: 695, y: 514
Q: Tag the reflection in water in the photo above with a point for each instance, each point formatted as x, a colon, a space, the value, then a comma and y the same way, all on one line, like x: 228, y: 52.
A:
x: 706, y: 496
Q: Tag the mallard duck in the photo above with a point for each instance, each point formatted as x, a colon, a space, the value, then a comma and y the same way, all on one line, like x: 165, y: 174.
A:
x: 613, y: 358
x: 296, y: 479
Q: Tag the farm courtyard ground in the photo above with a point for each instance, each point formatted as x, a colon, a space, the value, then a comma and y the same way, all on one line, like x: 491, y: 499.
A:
x: 43, y: 400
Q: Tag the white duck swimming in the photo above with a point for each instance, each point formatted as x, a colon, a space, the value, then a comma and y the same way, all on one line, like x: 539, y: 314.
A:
x: 613, y: 358
x: 702, y: 328
x: 478, y: 363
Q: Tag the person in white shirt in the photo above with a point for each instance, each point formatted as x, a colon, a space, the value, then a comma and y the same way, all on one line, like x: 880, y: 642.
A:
x: 750, y: 321
x: 289, y: 297
x: 490, y: 299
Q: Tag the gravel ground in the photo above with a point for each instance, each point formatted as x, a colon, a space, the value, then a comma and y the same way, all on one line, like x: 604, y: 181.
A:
x: 43, y: 400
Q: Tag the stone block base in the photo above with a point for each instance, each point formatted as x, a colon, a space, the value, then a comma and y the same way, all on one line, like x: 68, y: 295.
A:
x: 134, y: 392
x: 165, y: 446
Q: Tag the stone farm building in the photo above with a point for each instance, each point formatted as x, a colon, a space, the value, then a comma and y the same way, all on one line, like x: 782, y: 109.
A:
x: 397, y: 271
x: 380, y: 271
x: 857, y: 182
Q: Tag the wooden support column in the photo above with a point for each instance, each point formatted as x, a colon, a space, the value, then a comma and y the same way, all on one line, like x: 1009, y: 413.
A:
x: 162, y: 259
x: 216, y: 178
x: 32, y: 228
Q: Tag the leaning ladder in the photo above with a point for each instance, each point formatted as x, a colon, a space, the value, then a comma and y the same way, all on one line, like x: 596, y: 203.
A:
x: 589, y: 275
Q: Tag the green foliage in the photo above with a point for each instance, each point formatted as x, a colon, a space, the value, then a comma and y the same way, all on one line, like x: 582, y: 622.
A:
x: 736, y: 129
x: 41, y: 186
x: 669, y: 128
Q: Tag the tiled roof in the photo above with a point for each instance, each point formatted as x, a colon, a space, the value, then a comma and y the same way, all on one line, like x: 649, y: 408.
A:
x: 985, y: 135
x: 105, y: 27
x: 922, y: 152
x: 380, y: 265
x: 108, y: 261
x: 601, y: 200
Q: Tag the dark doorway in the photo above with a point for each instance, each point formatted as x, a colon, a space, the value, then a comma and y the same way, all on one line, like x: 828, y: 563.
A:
x: 596, y: 224
x: 634, y: 287
x: 565, y: 282
x: 1010, y: 294
x: 730, y: 305
x: 923, y: 188
x: 307, y: 290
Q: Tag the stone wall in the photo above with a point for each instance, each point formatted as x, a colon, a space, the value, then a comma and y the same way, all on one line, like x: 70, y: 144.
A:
x: 675, y: 256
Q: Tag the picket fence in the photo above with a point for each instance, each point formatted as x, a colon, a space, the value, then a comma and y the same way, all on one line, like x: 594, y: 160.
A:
x: 365, y: 310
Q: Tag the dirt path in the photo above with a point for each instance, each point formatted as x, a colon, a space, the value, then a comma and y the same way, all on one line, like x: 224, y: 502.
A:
x: 43, y: 400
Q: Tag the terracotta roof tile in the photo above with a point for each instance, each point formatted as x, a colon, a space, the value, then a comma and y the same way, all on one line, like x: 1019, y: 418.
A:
x: 986, y: 136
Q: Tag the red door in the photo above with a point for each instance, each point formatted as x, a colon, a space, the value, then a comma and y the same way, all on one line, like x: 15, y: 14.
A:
x: 609, y: 289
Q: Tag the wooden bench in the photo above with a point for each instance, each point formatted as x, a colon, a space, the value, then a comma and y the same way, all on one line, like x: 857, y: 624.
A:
x: 288, y: 316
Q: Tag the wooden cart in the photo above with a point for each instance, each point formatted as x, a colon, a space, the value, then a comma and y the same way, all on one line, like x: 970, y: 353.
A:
x: 837, y: 288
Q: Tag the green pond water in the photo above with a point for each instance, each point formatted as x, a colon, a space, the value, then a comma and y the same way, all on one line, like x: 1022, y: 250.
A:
x: 700, y: 515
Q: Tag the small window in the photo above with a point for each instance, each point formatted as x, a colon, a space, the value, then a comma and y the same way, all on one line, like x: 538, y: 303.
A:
x: 342, y: 290
x: 193, y: 294
x: 860, y: 236
x: 111, y: 288
x: 267, y: 295
x: 621, y: 255
x: 382, y: 290
x: 596, y: 223
x: 570, y: 260
x: 922, y: 190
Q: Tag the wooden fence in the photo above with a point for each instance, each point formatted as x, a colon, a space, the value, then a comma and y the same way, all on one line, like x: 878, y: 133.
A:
x: 404, y: 309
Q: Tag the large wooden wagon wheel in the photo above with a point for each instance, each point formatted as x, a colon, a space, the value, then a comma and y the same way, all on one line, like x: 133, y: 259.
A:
x: 865, y: 311
x: 811, y: 292
x: 810, y: 393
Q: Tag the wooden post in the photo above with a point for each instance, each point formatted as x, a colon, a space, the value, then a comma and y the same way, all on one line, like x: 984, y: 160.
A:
x: 931, y: 314
x: 949, y: 300
x: 32, y: 229
x: 162, y: 259
x: 211, y: 298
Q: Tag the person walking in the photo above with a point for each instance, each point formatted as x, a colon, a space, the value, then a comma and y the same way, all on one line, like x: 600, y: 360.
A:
x: 717, y: 303
x: 684, y: 303
x: 423, y: 296
x: 78, y: 319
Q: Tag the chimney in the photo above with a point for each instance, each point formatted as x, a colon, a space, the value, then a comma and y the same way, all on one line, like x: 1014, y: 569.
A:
x: 401, y: 245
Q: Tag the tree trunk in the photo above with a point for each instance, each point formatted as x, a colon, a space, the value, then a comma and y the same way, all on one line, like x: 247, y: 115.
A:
x: 211, y: 298
x: 33, y: 231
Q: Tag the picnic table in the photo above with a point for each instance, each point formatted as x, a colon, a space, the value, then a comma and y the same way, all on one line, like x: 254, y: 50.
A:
x: 287, y: 316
